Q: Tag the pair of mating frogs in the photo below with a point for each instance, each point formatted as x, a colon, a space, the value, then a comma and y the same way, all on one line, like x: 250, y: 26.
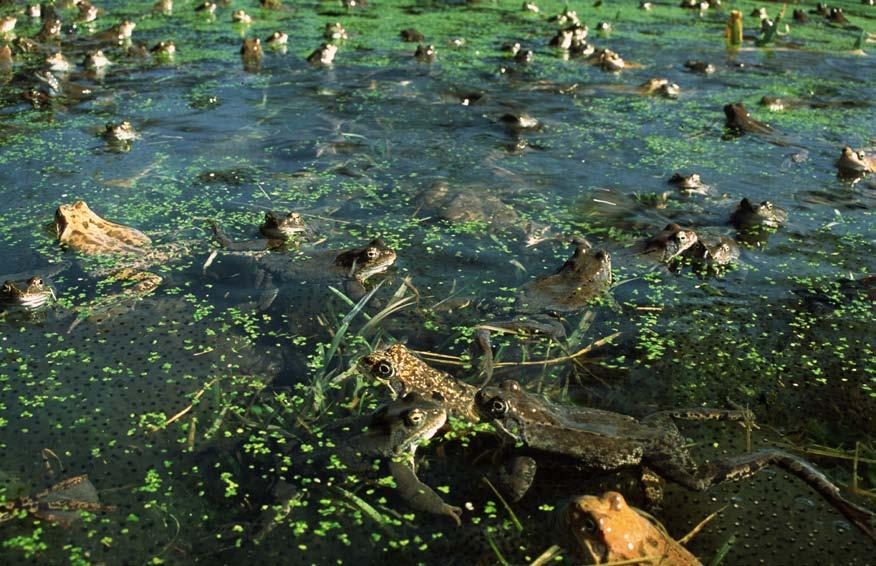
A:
x: 586, y: 439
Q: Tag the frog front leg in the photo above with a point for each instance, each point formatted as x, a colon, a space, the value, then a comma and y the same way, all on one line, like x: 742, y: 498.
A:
x: 418, y: 494
x: 744, y: 466
x: 516, y: 477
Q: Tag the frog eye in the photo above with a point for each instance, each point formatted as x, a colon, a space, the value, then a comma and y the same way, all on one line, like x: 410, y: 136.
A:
x: 372, y: 253
x: 498, y: 407
x: 587, y: 524
x: 385, y: 369
x: 7, y: 288
x: 414, y: 417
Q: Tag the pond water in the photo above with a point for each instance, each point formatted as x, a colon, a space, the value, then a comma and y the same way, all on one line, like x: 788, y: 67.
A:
x: 206, y: 412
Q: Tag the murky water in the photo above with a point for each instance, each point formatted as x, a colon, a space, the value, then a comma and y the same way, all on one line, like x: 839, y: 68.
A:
x: 185, y: 407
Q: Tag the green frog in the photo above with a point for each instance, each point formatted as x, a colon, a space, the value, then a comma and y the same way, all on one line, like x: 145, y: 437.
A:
x: 398, y: 368
x: 597, y: 440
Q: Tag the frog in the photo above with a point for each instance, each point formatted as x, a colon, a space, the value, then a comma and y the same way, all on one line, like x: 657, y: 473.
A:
x: 667, y: 245
x: 30, y: 293
x: 120, y: 132
x: 33, y: 11
x: 50, y: 31
x: 278, y: 229
x: 836, y: 16
x: 398, y: 368
x: 713, y: 250
x: 410, y: 35
x: 442, y: 201
x: 607, y: 60
x: 324, y: 55
x: 164, y: 7
x: 854, y: 163
x: 58, y: 63
x: 583, y: 277
x: 207, y: 8
x: 96, y: 60
x: 702, y: 67
x: 660, y: 87
x: 277, y: 40
x: 748, y: 216
x: 524, y: 56
x: 335, y: 31
x: 60, y: 503
x: 530, y: 7
x: 7, y: 24
x: 394, y: 434
x: 163, y: 50
x: 117, y: 34
x: 425, y: 53
x: 567, y: 17
x: 800, y: 16
x: 88, y: 12
x: 5, y: 58
x: 689, y: 184
x: 241, y: 17
x: 596, y: 440
x: 607, y: 529
x: 251, y: 49
x: 738, y: 120
x: 603, y: 27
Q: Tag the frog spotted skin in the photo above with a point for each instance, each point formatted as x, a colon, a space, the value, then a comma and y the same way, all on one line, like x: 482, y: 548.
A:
x: 78, y: 227
x: 282, y: 226
x: 405, y: 373
x: 608, y: 530
x: 591, y: 439
x: 362, y: 263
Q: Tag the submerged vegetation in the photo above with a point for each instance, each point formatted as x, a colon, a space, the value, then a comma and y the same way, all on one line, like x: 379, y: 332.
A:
x: 176, y: 402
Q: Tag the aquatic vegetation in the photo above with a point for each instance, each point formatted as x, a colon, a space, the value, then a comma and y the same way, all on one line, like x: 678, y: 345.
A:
x: 211, y: 412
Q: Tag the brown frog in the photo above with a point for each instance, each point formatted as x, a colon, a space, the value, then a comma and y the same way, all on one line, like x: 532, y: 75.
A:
x: 121, y: 131
x: 335, y: 31
x: 592, y: 439
x: 278, y: 230
x: 251, y: 49
x: 79, y: 228
x: 394, y: 434
x: 854, y: 163
x: 425, y: 53
x: 96, y: 60
x: 660, y: 87
x: 466, y: 205
x: 323, y: 55
x: 583, y: 277
x: 690, y: 184
x: 739, y: 120
x: 7, y: 24
x: 607, y: 60
x: 749, y: 215
x: 669, y: 244
x: 712, y: 250
x: 411, y: 35
x: 398, y: 368
x: 607, y: 529
x: 163, y: 50
x: 28, y: 294
x: 117, y: 34
x: 278, y: 39
x: 58, y: 63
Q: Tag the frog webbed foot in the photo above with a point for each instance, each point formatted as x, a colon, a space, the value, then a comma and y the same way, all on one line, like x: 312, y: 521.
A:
x: 516, y: 477
x: 419, y: 495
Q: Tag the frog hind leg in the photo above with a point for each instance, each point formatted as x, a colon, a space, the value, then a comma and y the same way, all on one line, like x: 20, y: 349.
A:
x: 418, y: 494
x: 652, y: 485
x: 744, y: 466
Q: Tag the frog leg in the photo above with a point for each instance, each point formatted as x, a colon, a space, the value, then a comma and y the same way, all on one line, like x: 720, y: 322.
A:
x: 516, y: 477
x: 418, y: 494
x: 739, y: 414
x: 652, y: 485
x: 744, y: 466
